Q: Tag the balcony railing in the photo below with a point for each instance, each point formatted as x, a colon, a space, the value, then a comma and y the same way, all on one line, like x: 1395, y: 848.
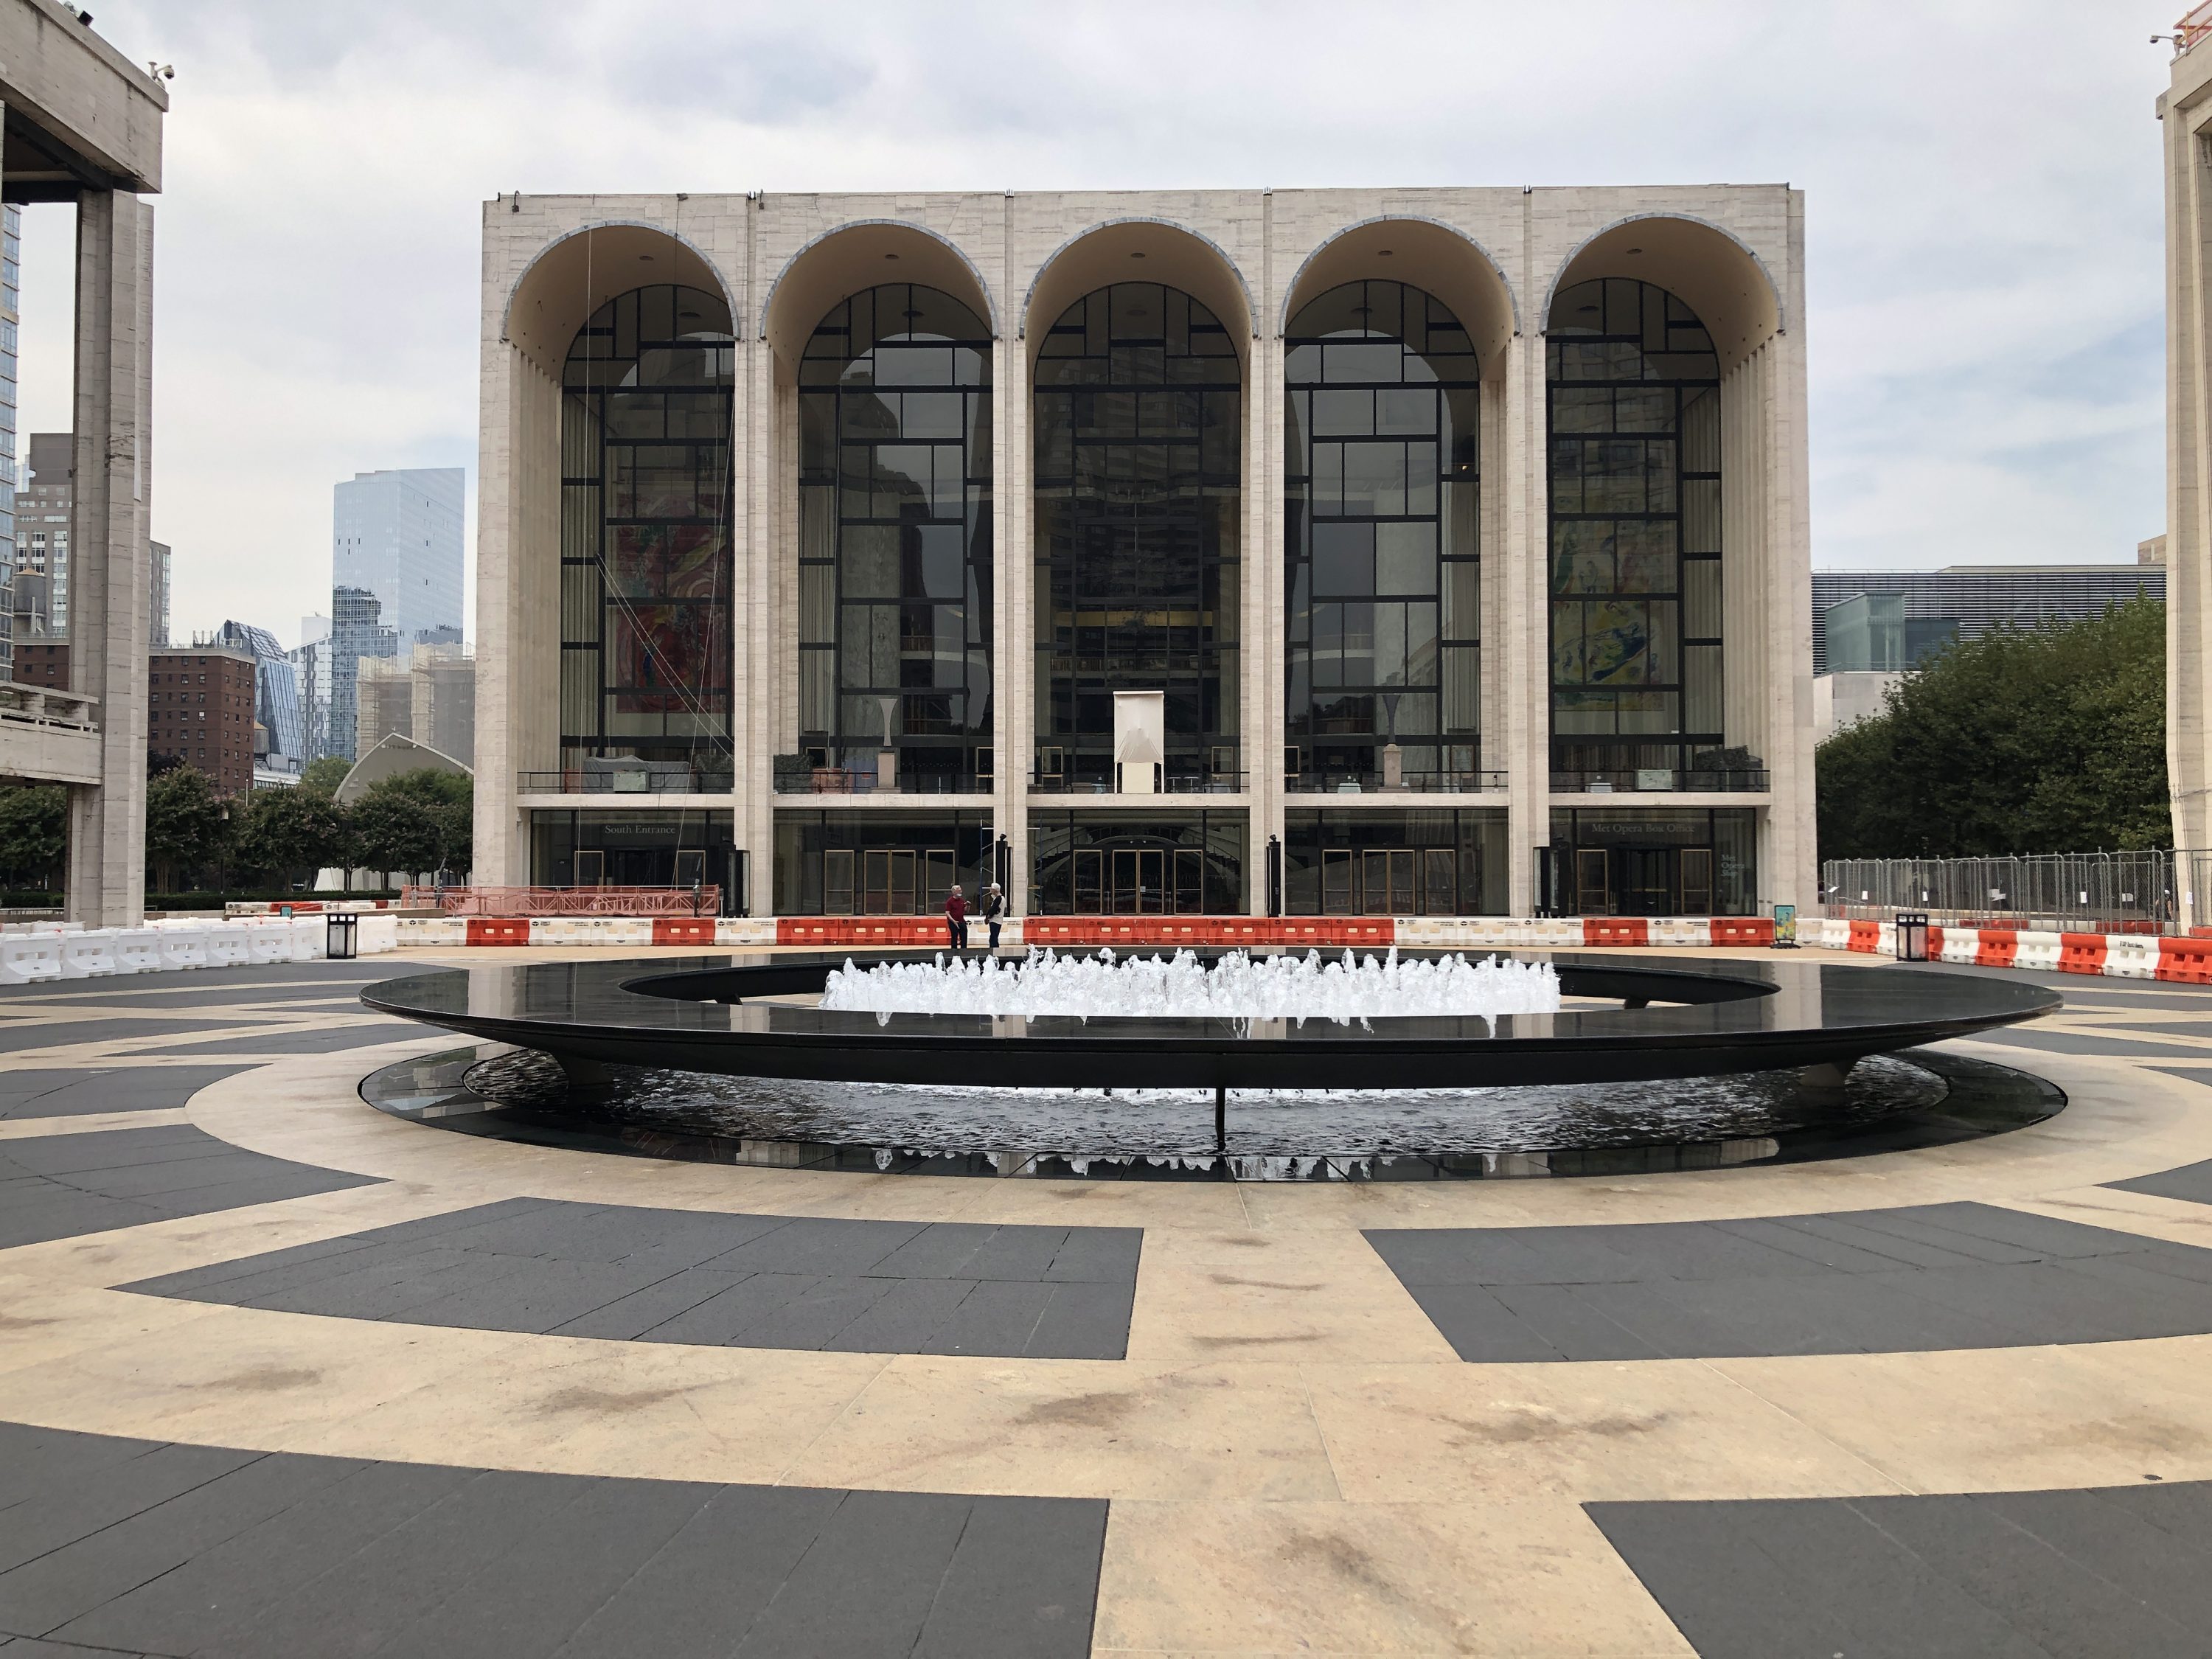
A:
x: 44, y: 705
x: 644, y: 779
x: 863, y: 781
x: 1660, y: 779
x: 1372, y: 783
x: 1171, y: 783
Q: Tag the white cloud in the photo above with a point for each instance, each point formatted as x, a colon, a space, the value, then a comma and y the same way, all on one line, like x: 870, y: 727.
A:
x: 1982, y: 179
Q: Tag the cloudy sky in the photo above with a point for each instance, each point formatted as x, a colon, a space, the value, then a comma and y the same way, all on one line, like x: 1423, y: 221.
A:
x: 1982, y: 184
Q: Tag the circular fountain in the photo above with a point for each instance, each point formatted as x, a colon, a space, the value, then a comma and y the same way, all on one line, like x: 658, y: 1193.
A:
x: 1409, y: 1063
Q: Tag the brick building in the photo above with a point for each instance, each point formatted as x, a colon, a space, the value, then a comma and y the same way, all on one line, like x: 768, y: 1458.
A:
x: 202, y: 713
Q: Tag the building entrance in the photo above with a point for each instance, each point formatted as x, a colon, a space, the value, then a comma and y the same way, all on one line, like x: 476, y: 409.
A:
x: 1651, y: 863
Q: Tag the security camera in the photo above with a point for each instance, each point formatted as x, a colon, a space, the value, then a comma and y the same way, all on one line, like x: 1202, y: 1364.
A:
x: 160, y: 71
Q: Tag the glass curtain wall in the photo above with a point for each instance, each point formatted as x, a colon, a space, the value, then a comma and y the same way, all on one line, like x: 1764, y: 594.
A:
x: 646, y: 569
x: 877, y: 863
x: 1138, y: 457
x: 1382, y: 556
x: 1159, y: 864
x: 1448, y: 862
x: 895, y: 539
x: 1635, y: 535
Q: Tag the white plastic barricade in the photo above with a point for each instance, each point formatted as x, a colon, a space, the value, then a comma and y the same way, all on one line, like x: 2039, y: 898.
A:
x: 1961, y: 944
x: 27, y: 958
x: 1557, y: 932
x: 1680, y: 931
x: 268, y: 939
x: 407, y: 931
x: 228, y: 944
x: 89, y: 955
x: 1888, y: 945
x: 380, y: 932
x: 2132, y: 956
x: 184, y: 944
x: 307, y: 933
x: 761, y: 930
x: 137, y: 950
x: 2035, y: 949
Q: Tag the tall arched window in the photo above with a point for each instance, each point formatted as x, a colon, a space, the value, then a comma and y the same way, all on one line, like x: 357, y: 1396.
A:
x: 1383, y: 488
x: 646, y: 564
x: 1138, y: 467
x: 895, y: 537
x: 1636, y: 535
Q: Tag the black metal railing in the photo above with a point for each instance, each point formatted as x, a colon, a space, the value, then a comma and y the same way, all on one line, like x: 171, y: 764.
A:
x: 644, y: 779
x: 1660, y: 779
x: 1370, y: 783
x: 1171, y: 783
x: 863, y: 781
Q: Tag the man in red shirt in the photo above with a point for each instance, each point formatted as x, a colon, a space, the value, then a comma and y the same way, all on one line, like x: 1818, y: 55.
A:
x: 956, y: 920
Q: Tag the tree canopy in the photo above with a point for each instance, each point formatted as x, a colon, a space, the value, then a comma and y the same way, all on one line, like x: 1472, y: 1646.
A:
x: 2048, y: 739
x: 290, y: 833
x: 323, y: 777
x: 34, y: 834
x: 188, y: 829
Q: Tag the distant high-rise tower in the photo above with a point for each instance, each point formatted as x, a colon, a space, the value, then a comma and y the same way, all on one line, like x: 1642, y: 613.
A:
x: 42, y: 520
x: 11, y: 246
x: 355, y: 633
x: 398, y: 535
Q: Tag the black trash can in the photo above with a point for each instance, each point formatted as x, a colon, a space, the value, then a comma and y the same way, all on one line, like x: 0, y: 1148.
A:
x: 341, y: 937
x: 1911, y: 936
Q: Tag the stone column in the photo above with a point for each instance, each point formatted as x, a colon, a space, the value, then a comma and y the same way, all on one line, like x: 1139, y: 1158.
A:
x: 1519, y: 558
x: 111, y: 581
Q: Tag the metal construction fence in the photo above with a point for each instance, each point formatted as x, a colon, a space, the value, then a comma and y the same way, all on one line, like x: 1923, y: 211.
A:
x: 2148, y: 892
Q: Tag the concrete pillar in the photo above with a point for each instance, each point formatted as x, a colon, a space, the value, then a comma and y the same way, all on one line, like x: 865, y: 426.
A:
x: 1518, y: 562
x: 1013, y: 650
x: 111, y: 582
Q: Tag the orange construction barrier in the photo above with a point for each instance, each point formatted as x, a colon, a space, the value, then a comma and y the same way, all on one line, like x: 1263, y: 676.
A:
x: 1616, y: 930
x: 2189, y: 961
x: 2082, y: 953
x: 1997, y: 948
x: 1865, y: 936
x: 683, y: 930
x: 1759, y: 930
x: 876, y: 932
x: 499, y: 930
x: 1935, y: 942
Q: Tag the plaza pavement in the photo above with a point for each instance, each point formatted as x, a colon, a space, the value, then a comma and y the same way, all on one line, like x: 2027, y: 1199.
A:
x: 280, y: 1374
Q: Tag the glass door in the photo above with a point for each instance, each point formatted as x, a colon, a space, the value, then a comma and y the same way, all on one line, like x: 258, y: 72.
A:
x: 888, y: 882
x: 1593, y: 885
x: 1139, y: 881
x: 837, y: 881
x: 1647, y: 884
x: 1697, y: 881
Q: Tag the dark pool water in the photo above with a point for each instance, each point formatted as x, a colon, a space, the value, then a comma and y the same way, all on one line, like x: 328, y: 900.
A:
x: 1170, y: 1122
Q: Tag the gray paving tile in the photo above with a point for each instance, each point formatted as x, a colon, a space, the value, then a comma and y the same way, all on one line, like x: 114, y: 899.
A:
x: 1905, y: 1280
x: 629, y: 1273
x: 2071, y: 1042
x: 2037, y: 1575
x: 320, y: 1040
x: 2191, y: 1182
x: 170, y: 1550
x: 20, y: 1035
x: 72, y: 1093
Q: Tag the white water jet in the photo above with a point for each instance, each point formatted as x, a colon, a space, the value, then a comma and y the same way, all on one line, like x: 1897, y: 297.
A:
x: 1239, y: 986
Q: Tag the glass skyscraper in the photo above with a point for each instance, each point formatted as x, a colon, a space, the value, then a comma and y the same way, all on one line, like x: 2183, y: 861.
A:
x: 398, y: 535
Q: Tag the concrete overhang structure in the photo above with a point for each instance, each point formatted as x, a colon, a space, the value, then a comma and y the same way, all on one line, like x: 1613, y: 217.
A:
x: 82, y: 124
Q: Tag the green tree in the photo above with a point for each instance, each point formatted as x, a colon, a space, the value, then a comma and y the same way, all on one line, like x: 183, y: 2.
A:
x: 2049, y: 739
x: 323, y: 777
x: 290, y: 833
x: 394, y: 830
x: 33, y: 835
x: 450, y: 797
x: 188, y: 829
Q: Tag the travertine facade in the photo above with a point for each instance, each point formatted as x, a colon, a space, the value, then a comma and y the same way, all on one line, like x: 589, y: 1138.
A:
x: 2186, y: 112
x: 1497, y: 258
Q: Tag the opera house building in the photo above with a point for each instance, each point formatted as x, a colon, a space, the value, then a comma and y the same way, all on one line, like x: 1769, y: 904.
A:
x: 1421, y: 552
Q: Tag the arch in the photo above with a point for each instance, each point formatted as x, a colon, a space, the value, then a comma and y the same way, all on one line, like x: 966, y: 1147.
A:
x: 850, y: 257
x: 568, y: 280
x: 1709, y: 268
x: 1424, y: 253
x: 1175, y: 256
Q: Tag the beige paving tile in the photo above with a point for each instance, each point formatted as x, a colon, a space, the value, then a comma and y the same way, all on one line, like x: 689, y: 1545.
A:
x: 2004, y: 1418
x: 1076, y: 1428
x: 1323, y: 1295
x: 1533, y: 1580
x: 1654, y: 1429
